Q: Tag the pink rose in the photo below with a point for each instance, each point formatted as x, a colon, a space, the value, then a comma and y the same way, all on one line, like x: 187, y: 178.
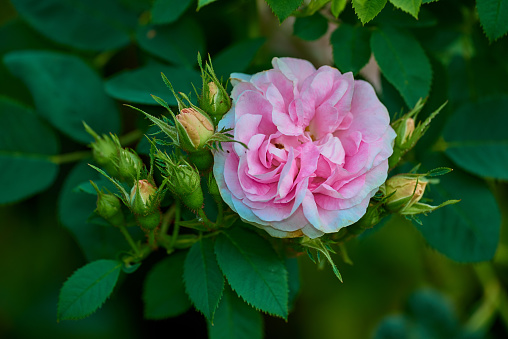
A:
x: 318, y: 148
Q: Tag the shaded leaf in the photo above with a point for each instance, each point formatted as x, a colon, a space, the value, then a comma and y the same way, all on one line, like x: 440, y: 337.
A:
x: 493, y: 17
x: 253, y: 270
x: 403, y: 62
x: 351, y: 49
x: 66, y: 92
x: 168, y: 11
x: 283, y: 9
x: 87, y: 289
x: 203, y: 278
x: 137, y: 85
x: 235, y: 319
x: 178, y: 43
x: 368, y: 9
x: 26, y: 167
x: 163, y: 291
x: 85, y: 24
x: 310, y: 27
x: 236, y: 57
x: 410, y: 6
x: 480, y: 148
x: 469, y: 230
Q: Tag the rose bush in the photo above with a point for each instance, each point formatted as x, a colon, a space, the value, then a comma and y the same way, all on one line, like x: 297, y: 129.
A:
x: 318, y: 143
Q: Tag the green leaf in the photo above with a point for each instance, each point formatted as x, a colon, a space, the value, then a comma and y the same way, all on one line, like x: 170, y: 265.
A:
x: 26, y: 167
x: 310, y: 27
x: 137, y: 85
x: 403, y: 62
x: 164, y: 293
x: 178, y: 43
x: 202, y: 3
x: 493, y: 17
x: 351, y: 49
x: 66, y: 92
x: 235, y: 319
x: 338, y: 7
x: 410, y: 6
x: 85, y: 24
x: 203, y: 278
x: 283, y: 9
x: 87, y: 289
x: 480, y: 148
x: 469, y: 230
x: 429, y: 315
x: 253, y: 270
x: 368, y: 9
x: 168, y: 11
x: 236, y: 57
x: 75, y: 207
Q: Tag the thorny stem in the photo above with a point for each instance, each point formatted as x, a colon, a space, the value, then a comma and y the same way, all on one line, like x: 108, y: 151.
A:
x: 205, y: 220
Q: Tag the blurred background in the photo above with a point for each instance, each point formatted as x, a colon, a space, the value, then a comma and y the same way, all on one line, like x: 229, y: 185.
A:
x: 402, y: 283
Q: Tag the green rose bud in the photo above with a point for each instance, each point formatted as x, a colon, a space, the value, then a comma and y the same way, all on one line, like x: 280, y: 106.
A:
x: 129, y: 164
x: 215, y: 100
x: 109, y: 207
x: 403, y: 191
x: 198, y: 129
x: 183, y: 180
x: 105, y: 150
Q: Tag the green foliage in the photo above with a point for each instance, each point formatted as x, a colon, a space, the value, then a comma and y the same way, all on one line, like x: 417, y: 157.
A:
x: 236, y: 57
x: 283, y: 9
x: 136, y: 85
x: 410, y: 6
x: 368, y: 9
x: 64, y: 21
x: 337, y: 7
x: 164, y: 292
x: 480, y: 148
x: 87, y: 289
x: 202, y: 3
x: 403, y: 62
x: 203, y: 278
x: 168, y: 11
x: 351, y: 49
x: 429, y: 316
x: 60, y: 98
x: 253, y: 270
x: 310, y: 27
x: 177, y: 43
x: 235, y: 319
x: 493, y: 17
x: 26, y: 147
x: 469, y: 230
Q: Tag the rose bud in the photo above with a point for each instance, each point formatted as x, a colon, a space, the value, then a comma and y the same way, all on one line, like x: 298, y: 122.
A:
x: 403, y: 191
x: 129, y: 164
x: 143, y: 195
x: 109, y: 207
x: 105, y: 150
x: 197, y: 129
x: 182, y: 179
x: 144, y: 203
x: 215, y: 100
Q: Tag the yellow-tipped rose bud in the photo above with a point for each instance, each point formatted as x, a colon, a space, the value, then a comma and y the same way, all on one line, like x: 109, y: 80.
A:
x: 198, y: 128
x: 141, y: 195
x: 408, y: 130
x: 404, y: 191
